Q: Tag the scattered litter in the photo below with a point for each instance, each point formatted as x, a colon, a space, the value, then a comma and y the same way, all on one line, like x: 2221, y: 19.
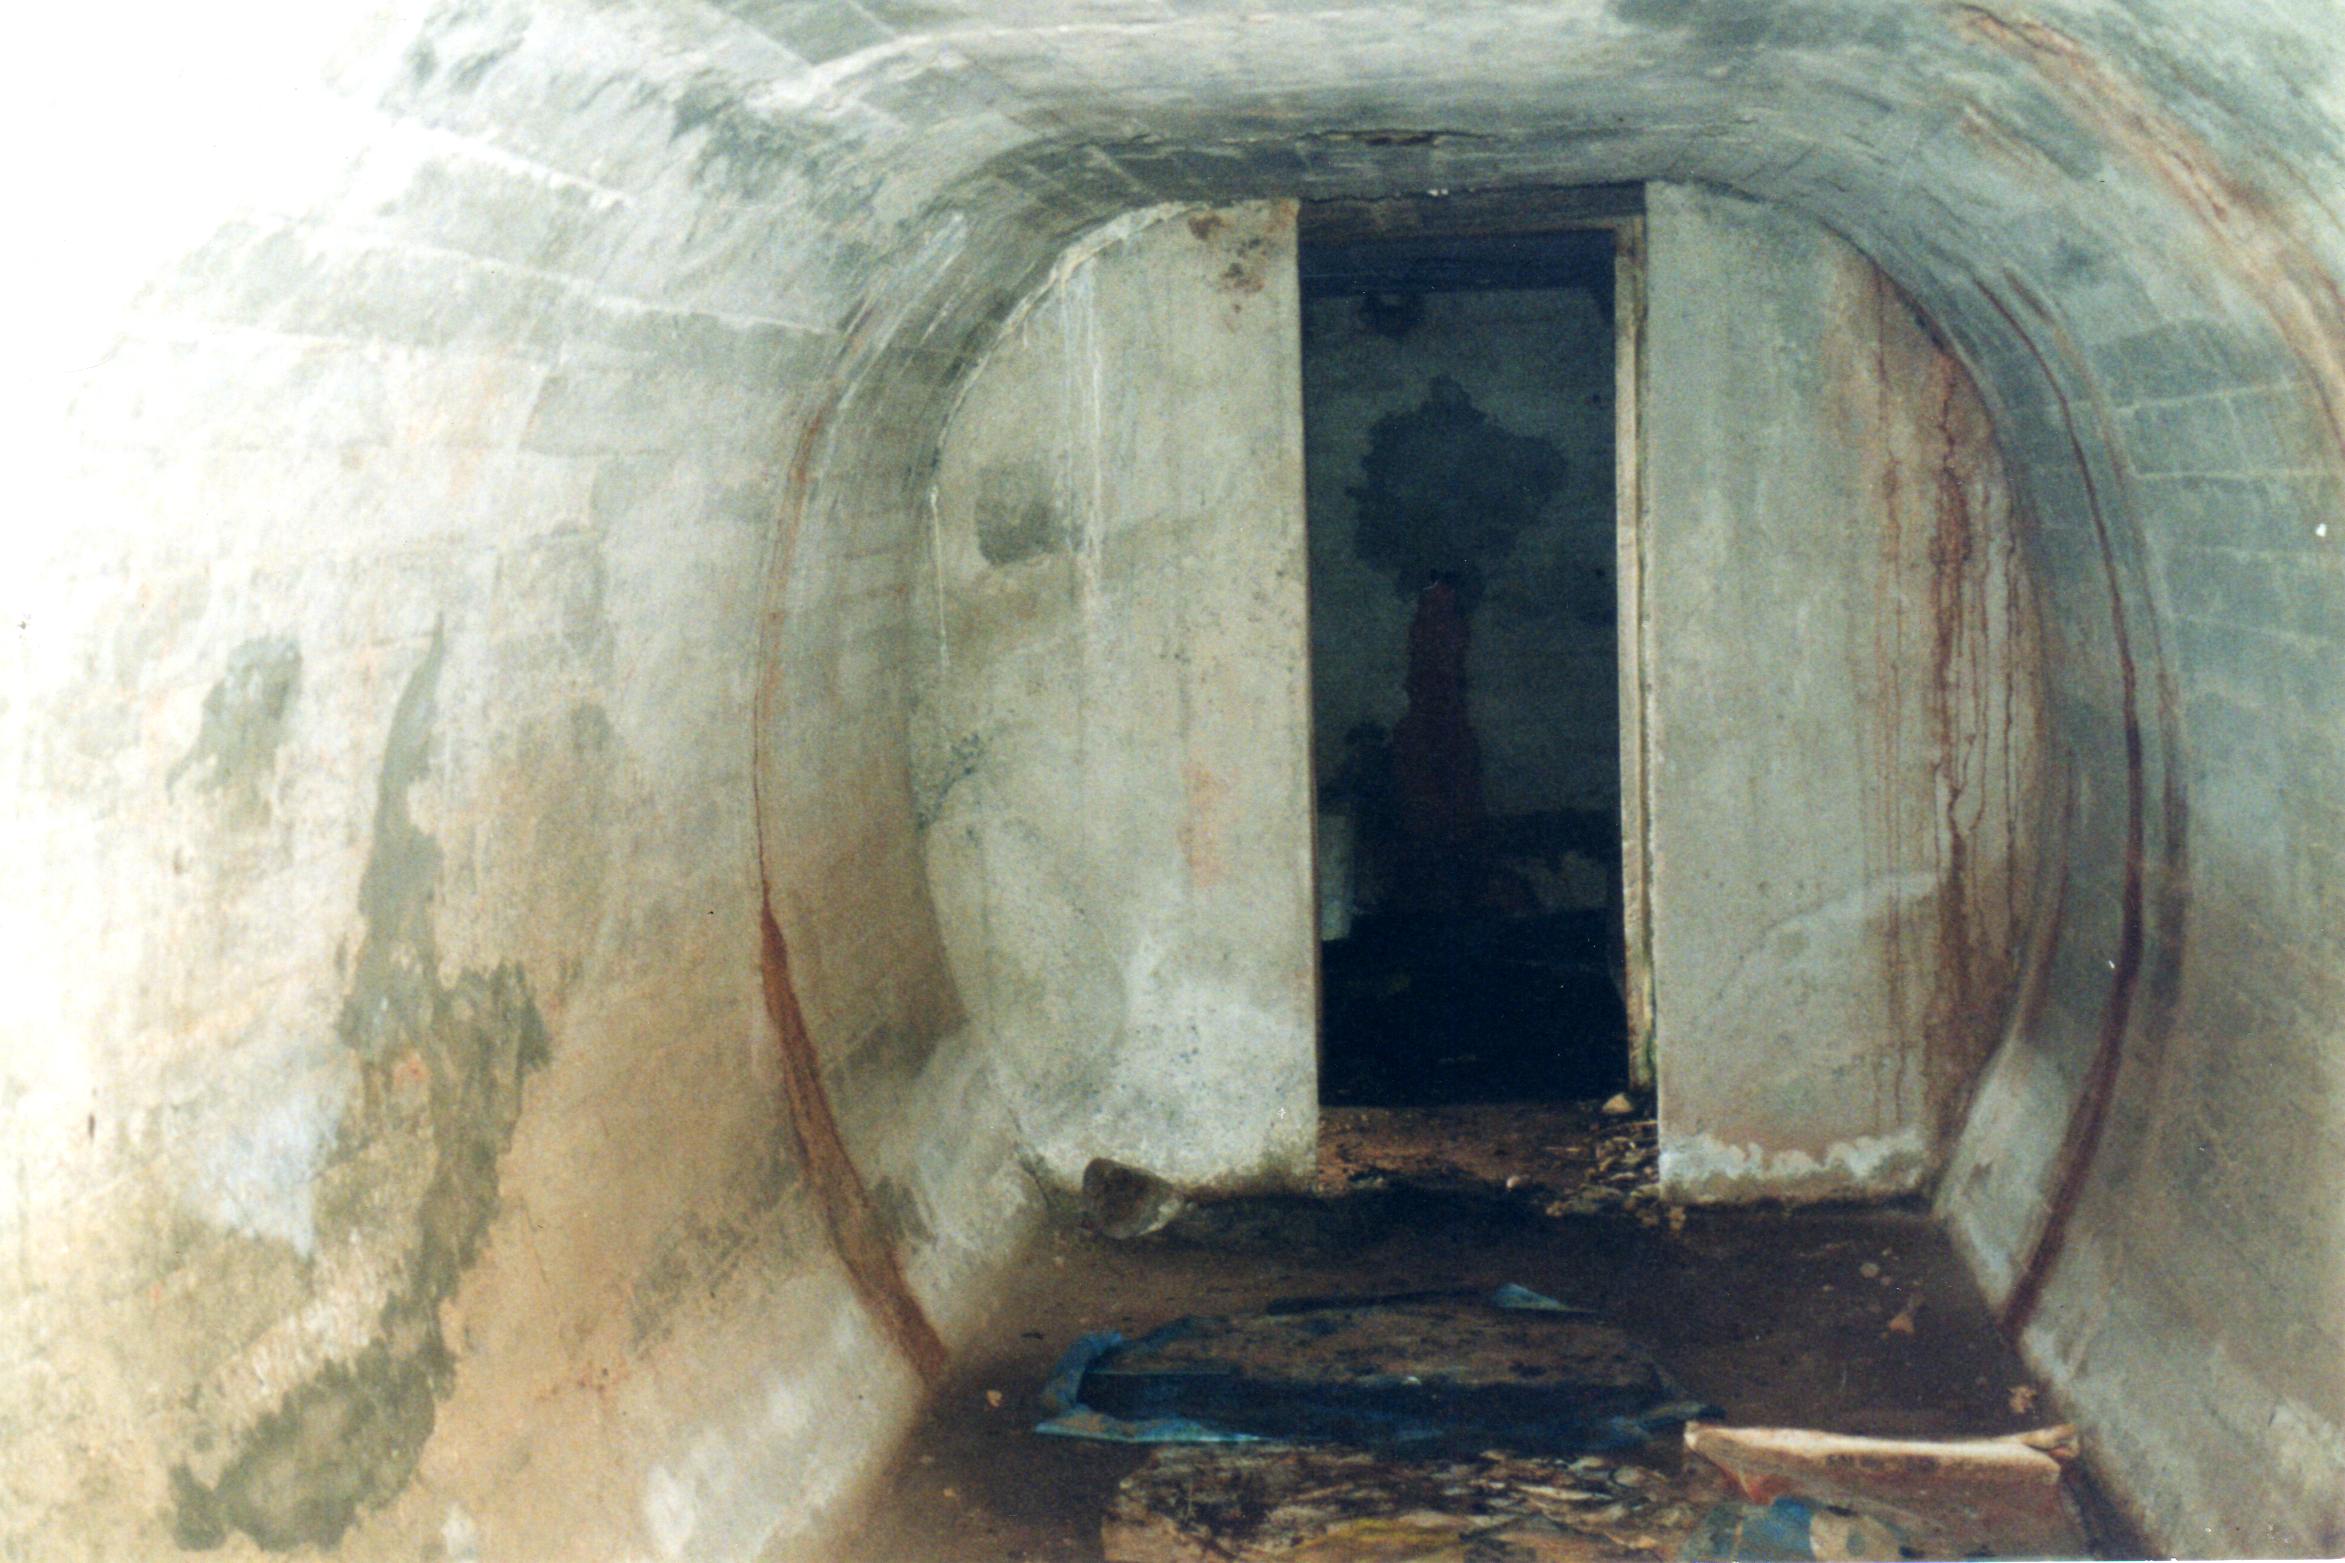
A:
x: 1902, y: 1324
x: 1791, y: 1530
x: 1941, y: 1498
x: 1070, y: 1418
x: 1507, y: 1295
x: 1869, y: 1270
x: 993, y: 1398
x: 1618, y: 1106
x: 1429, y: 1372
x: 1279, y: 1504
x: 2023, y: 1399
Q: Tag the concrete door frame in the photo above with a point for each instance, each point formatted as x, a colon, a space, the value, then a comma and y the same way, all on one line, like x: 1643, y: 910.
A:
x: 1618, y: 209
x: 1630, y: 636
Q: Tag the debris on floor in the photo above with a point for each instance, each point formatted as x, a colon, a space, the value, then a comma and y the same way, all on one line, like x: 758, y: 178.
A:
x: 1427, y: 1373
x: 1781, y: 1315
x: 1622, y: 1173
x: 1567, y: 1159
x: 1938, y: 1498
x: 1792, y: 1530
x: 1274, y: 1504
x: 1125, y: 1202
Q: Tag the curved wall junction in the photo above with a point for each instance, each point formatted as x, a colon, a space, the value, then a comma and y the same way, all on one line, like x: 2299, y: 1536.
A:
x: 482, y: 1065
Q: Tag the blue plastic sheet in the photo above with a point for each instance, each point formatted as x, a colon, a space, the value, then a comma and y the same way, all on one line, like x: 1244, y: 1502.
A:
x: 1070, y: 1417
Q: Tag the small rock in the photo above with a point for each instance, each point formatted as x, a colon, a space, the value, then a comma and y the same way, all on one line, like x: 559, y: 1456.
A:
x: 993, y: 1398
x: 1869, y: 1270
x: 1677, y: 1218
x: 1618, y: 1107
x: 1903, y: 1323
x: 2023, y: 1399
x: 1125, y: 1202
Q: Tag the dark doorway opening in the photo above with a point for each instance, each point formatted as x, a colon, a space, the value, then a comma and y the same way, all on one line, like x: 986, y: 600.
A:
x: 1459, y: 446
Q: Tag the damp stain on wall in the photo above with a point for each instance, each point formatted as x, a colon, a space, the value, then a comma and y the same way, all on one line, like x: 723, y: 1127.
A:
x: 441, y: 1063
x: 1445, y: 489
x: 1018, y: 515
x: 244, y: 721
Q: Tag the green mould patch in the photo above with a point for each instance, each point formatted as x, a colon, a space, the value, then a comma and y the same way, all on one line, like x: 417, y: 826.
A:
x: 348, y: 1438
x: 244, y: 720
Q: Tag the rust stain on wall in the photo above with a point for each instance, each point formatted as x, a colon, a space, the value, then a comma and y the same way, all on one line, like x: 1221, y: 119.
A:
x: 1982, y: 647
x: 1204, y: 823
x: 849, y: 1213
x: 2244, y: 224
x: 2088, y: 1121
x: 852, y: 1218
x: 1954, y: 716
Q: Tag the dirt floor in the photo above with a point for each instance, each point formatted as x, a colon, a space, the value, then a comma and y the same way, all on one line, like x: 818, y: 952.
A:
x: 1858, y: 1321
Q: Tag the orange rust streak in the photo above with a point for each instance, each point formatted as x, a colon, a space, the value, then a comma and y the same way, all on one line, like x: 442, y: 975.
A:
x: 848, y: 1210
x: 2284, y: 274
x: 2081, y: 1142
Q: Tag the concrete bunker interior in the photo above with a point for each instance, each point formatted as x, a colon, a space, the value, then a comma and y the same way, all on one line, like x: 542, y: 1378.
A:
x: 1459, y: 447
x: 579, y: 917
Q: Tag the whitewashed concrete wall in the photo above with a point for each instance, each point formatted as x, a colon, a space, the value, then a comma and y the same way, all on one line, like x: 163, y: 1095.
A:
x: 1842, y: 714
x: 1115, y: 787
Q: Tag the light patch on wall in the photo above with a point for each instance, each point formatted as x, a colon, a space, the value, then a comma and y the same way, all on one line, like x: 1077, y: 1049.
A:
x: 1781, y: 945
x: 1699, y: 1168
x: 459, y: 1536
x: 258, y: 1168
x: 667, y: 1512
x: 1191, y: 1043
x: 715, y: 1499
